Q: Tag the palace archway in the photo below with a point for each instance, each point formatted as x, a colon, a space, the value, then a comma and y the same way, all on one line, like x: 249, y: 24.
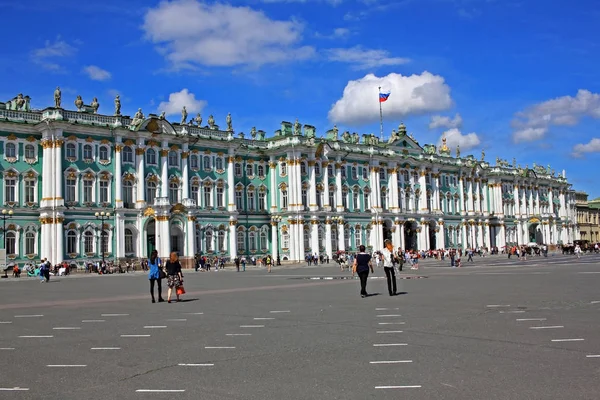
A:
x: 410, y: 235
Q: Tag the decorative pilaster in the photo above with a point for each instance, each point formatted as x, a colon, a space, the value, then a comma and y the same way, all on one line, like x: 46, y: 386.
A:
x: 341, y: 235
x: 423, y: 192
x: 58, y: 172
x: 47, y: 172
x: 314, y: 236
x: 185, y: 173
x: 325, y: 169
x: 164, y: 171
x: 461, y: 189
x: 328, y: 249
x: 396, y: 235
x: 338, y: 187
x: 274, y: 240
x: 301, y: 249
x: 232, y: 238
x: 231, y: 183
x: 59, y: 234
x: 274, y: 190
x: 293, y: 238
x: 118, y: 175
x: 375, y: 186
x: 393, y: 187
x: 190, y: 235
x: 140, y: 152
x: 441, y: 235
x: 119, y: 231
x: 312, y: 192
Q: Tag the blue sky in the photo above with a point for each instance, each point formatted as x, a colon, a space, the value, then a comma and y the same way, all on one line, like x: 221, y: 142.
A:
x: 516, y: 78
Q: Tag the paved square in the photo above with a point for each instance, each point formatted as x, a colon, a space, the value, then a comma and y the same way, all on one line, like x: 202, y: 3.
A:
x: 495, y: 329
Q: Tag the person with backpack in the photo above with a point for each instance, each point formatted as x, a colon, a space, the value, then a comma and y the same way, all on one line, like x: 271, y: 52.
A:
x: 269, y: 262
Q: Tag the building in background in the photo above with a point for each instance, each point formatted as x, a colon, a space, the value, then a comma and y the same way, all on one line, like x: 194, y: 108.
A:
x: 196, y: 188
x: 588, y: 217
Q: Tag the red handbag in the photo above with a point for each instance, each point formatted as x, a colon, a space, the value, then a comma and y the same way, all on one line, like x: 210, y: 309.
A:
x: 180, y: 290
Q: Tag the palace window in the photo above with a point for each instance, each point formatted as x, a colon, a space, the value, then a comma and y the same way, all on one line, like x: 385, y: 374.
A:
x: 355, y: 205
x: 221, y: 245
x: 151, y: 157
x: 88, y: 191
x: 319, y: 198
x: 220, y: 197
x: 303, y: 168
x: 173, y: 159
x: 317, y: 169
x: 304, y: 198
x: 285, y: 240
x: 173, y: 192
x: 10, y: 190
x: 209, y: 243
x: 150, y: 192
x: 71, y: 151
x: 127, y: 194
x: 250, y: 200
x: 129, y: 241
x: 219, y: 163
x: 88, y: 242
x: 103, y: 153
x: 343, y: 172
x: 283, y: 169
x: 284, y: 198
x: 11, y: 151
x: 194, y: 190
x: 407, y: 201
x: 207, y: 189
x: 249, y: 170
x: 262, y: 204
x: 381, y: 174
x: 30, y: 196
x: 330, y: 169
x: 239, y: 202
x: 87, y: 152
x: 30, y: 243
x: 306, y: 240
x: 104, y: 241
x: 29, y: 152
x: 252, y: 241
x: 206, y: 161
x: 345, y: 199
x: 263, y: 241
x: 104, y: 190
x: 354, y: 173
x: 127, y: 155
x: 194, y: 162
x: 72, y: 242
x: 241, y: 245
x: 357, y: 238
x: 332, y: 197
x: 238, y: 170
x: 11, y: 243
x: 70, y: 189
x: 347, y: 238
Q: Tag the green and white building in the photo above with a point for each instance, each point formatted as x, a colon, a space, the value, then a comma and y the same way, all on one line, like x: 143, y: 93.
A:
x: 201, y: 189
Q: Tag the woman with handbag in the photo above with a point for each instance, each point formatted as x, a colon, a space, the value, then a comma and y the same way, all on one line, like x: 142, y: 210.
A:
x: 156, y: 274
x: 174, y: 276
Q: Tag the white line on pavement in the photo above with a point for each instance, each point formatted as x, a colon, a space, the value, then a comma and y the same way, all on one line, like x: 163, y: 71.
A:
x: 66, y: 365
x: 14, y: 389
x: 196, y: 365
x: 66, y: 328
x: 195, y: 313
x: 29, y: 316
x: 105, y: 348
x: 513, y: 312
x: 252, y: 326
x: 7, y: 348
x: 389, y: 344
x: 398, y: 387
x: 568, y: 340
x: 160, y: 390
x: 530, y: 319
x: 278, y: 312
x: 593, y: 356
x: 391, y: 323
x: 114, y: 315
x: 93, y: 320
x: 595, y: 302
x: 593, y: 272
x: 390, y: 331
x: 388, y: 315
x: 386, y: 309
x: 390, y: 362
x: 263, y: 319
x: 36, y: 336
x: 546, y: 327
x: 155, y: 326
x: 219, y: 347
x: 238, y: 334
x: 132, y: 336
x: 177, y: 320
x: 5, y: 322
x: 497, y: 305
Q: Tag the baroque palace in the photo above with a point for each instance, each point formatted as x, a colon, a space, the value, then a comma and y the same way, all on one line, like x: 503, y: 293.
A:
x: 202, y: 189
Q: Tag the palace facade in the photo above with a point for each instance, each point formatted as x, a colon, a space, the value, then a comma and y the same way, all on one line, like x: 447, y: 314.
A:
x: 201, y: 189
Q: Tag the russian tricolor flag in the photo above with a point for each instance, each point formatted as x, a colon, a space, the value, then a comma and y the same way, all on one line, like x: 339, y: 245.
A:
x: 383, y: 97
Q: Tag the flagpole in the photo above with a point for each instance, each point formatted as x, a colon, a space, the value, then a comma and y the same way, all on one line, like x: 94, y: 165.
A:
x: 380, y: 116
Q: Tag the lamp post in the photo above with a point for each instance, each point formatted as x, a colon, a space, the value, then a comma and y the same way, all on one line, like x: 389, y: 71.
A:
x: 102, y: 216
x: 6, y: 214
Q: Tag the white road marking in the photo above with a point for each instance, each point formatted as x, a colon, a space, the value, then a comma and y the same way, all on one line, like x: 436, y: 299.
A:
x: 497, y: 305
x: 160, y: 391
x: 114, y: 315
x: 530, y: 319
x: 219, y: 347
x: 263, y: 319
x: 593, y: 356
x: 386, y: 309
x: 177, y: 320
x: 390, y: 362
x: 594, y: 272
x: 36, y: 336
x: 105, y: 348
x: 277, y: 312
x: 93, y: 320
x: 14, y: 389
x: 513, y: 312
x: 195, y: 313
x: 568, y: 340
x: 7, y: 348
x: 391, y: 323
x: 155, y: 326
x: 196, y: 365
x: 398, y: 387
x: 388, y: 315
x: 546, y: 327
x: 238, y: 334
x: 29, y: 316
x: 595, y: 302
x: 5, y: 322
x: 390, y: 331
x: 389, y: 344
x: 66, y: 328
x: 252, y: 326
x: 66, y: 365
x: 132, y: 336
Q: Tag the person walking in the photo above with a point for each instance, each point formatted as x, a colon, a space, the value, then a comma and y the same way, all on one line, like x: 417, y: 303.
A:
x: 174, y: 275
x: 155, y: 269
x: 388, y: 266
x: 362, y: 265
x: 269, y: 262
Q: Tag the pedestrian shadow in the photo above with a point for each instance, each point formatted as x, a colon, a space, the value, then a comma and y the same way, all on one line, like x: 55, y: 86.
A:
x: 187, y: 300
x: 400, y: 293
x: 373, y: 294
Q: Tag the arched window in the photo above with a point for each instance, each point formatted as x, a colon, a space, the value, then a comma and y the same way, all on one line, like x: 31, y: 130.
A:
x: 174, y: 192
x: 241, y: 245
x: 29, y: 152
x: 11, y: 151
x: 219, y: 163
x: 103, y: 153
x: 72, y: 242
x: 221, y: 240
x: 284, y: 198
x: 194, y: 161
x: 252, y: 241
x: 129, y: 241
x: 11, y: 243
x: 128, y: 194
x: 209, y: 240
x: 88, y: 242
x: 263, y: 241
x: 306, y: 240
x: 150, y: 192
x: 127, y: 154
x: 87, y: 152
x: 285, y: 240
x: 71, y: 151
x: 173, y: 159
x: 151, y: 157
x: 30, y: 246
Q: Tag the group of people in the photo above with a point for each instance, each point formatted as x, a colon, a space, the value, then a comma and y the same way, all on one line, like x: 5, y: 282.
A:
x: 391, y: 260
x: 171, y: 271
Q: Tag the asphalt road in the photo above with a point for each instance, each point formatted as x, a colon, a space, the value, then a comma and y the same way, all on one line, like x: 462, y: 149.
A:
x: 495, y: 329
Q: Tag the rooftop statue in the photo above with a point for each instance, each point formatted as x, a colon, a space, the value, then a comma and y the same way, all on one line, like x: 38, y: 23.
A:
x: 184, y: 115
x: 402, y: 129
x: 457, y: 151
x: 482, y: 155
x: 297, y: 128
x: 19, y: 103
x: 335, y: 132
x: 429, y: 149
x: 198, y: 120
x: 394, y: 138
x: 229, y: 123
x: 355, y: 138
x: 444, y: 149
x: 95, y: 105
x: 118, y: 105
x: 514, y: 163
x: 79, y: 103
x: 310, y: 131
x: 57, y: 97
x: 162, y: 116
x: 138, y: 118
x: 211, y: 122
x: 253, y: 133
x: 346, y: 138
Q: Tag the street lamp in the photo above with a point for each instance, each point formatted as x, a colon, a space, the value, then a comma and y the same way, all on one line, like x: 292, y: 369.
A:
x: 102, y: 216
x: 6, y: 214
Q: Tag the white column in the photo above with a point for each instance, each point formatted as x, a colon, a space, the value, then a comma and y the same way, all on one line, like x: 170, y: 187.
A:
x: 441, y: 236
x: 312, y: 192
x: 461, y: 189
x: 325, y: 169
x: 435, y: 189
x: 423, y: 194
x: 375, y: 184
x: 164, y: 175
x: 314, y: 236
x: 163, y: 237
x: 374, y: 235
x: 402, y: 243
x: 486, y: 236
x: 338, y: 187
x: 47, y: 145
x: 463, y: 234
x: 517, y: 199
x: 563, y: 210
x: 328, y: 249
x: 274, y: 189
x: 291, y: 181
x: 190, y: 236
x: 470, y: 205
x: 59, y: 255
x: 58, y: 173
x: 231, y: 183
x: 232, y: 239
x: 293, y: 238
x: 484, y: 194
x: 274, y: 241
x: 118, y: 175
x: 301, y: 249
x: 140, y: 152
x: 341, y: 236
x: 140, y: 243
x: 393, y: 189
x: 185, y: 173
x: 45, y: 239
x: 396, y: 237
x: 119, y: 232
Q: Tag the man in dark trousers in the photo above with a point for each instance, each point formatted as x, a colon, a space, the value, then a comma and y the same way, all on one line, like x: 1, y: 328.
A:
x: 389, y: 262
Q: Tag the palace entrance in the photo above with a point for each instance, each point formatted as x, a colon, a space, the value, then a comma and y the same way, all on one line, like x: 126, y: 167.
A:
x: 410, y: 235
x: 535, y: 232
x: 150, y: 237
x: 432, y: 235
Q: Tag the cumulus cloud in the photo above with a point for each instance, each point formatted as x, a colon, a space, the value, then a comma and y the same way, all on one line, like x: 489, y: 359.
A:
x: 96, y: 73
x: 48, y: 56
x: 579, y: 150
x: 361, y: 58
x: 534, y: 122
x: 190, y: 33
x: 439, y: 121
x: 337, y: 33
x: 455, y: 138
x: 410, y: 95
x: 179, y: 99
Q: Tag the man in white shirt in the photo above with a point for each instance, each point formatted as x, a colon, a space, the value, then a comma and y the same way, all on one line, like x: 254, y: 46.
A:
x: 389, y: 262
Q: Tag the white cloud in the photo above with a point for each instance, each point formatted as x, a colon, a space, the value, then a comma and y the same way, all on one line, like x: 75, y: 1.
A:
x: 46, y: 56
x: 534, y: 122
x: 361, y: 58
x: 96, y: 73
x: 438, y: 121
x: 410, y: 95
x: 190, y: 33
x: 338, y: 33
x: 179, y: 99
x: 579, y: 150
x: 455, y: 138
